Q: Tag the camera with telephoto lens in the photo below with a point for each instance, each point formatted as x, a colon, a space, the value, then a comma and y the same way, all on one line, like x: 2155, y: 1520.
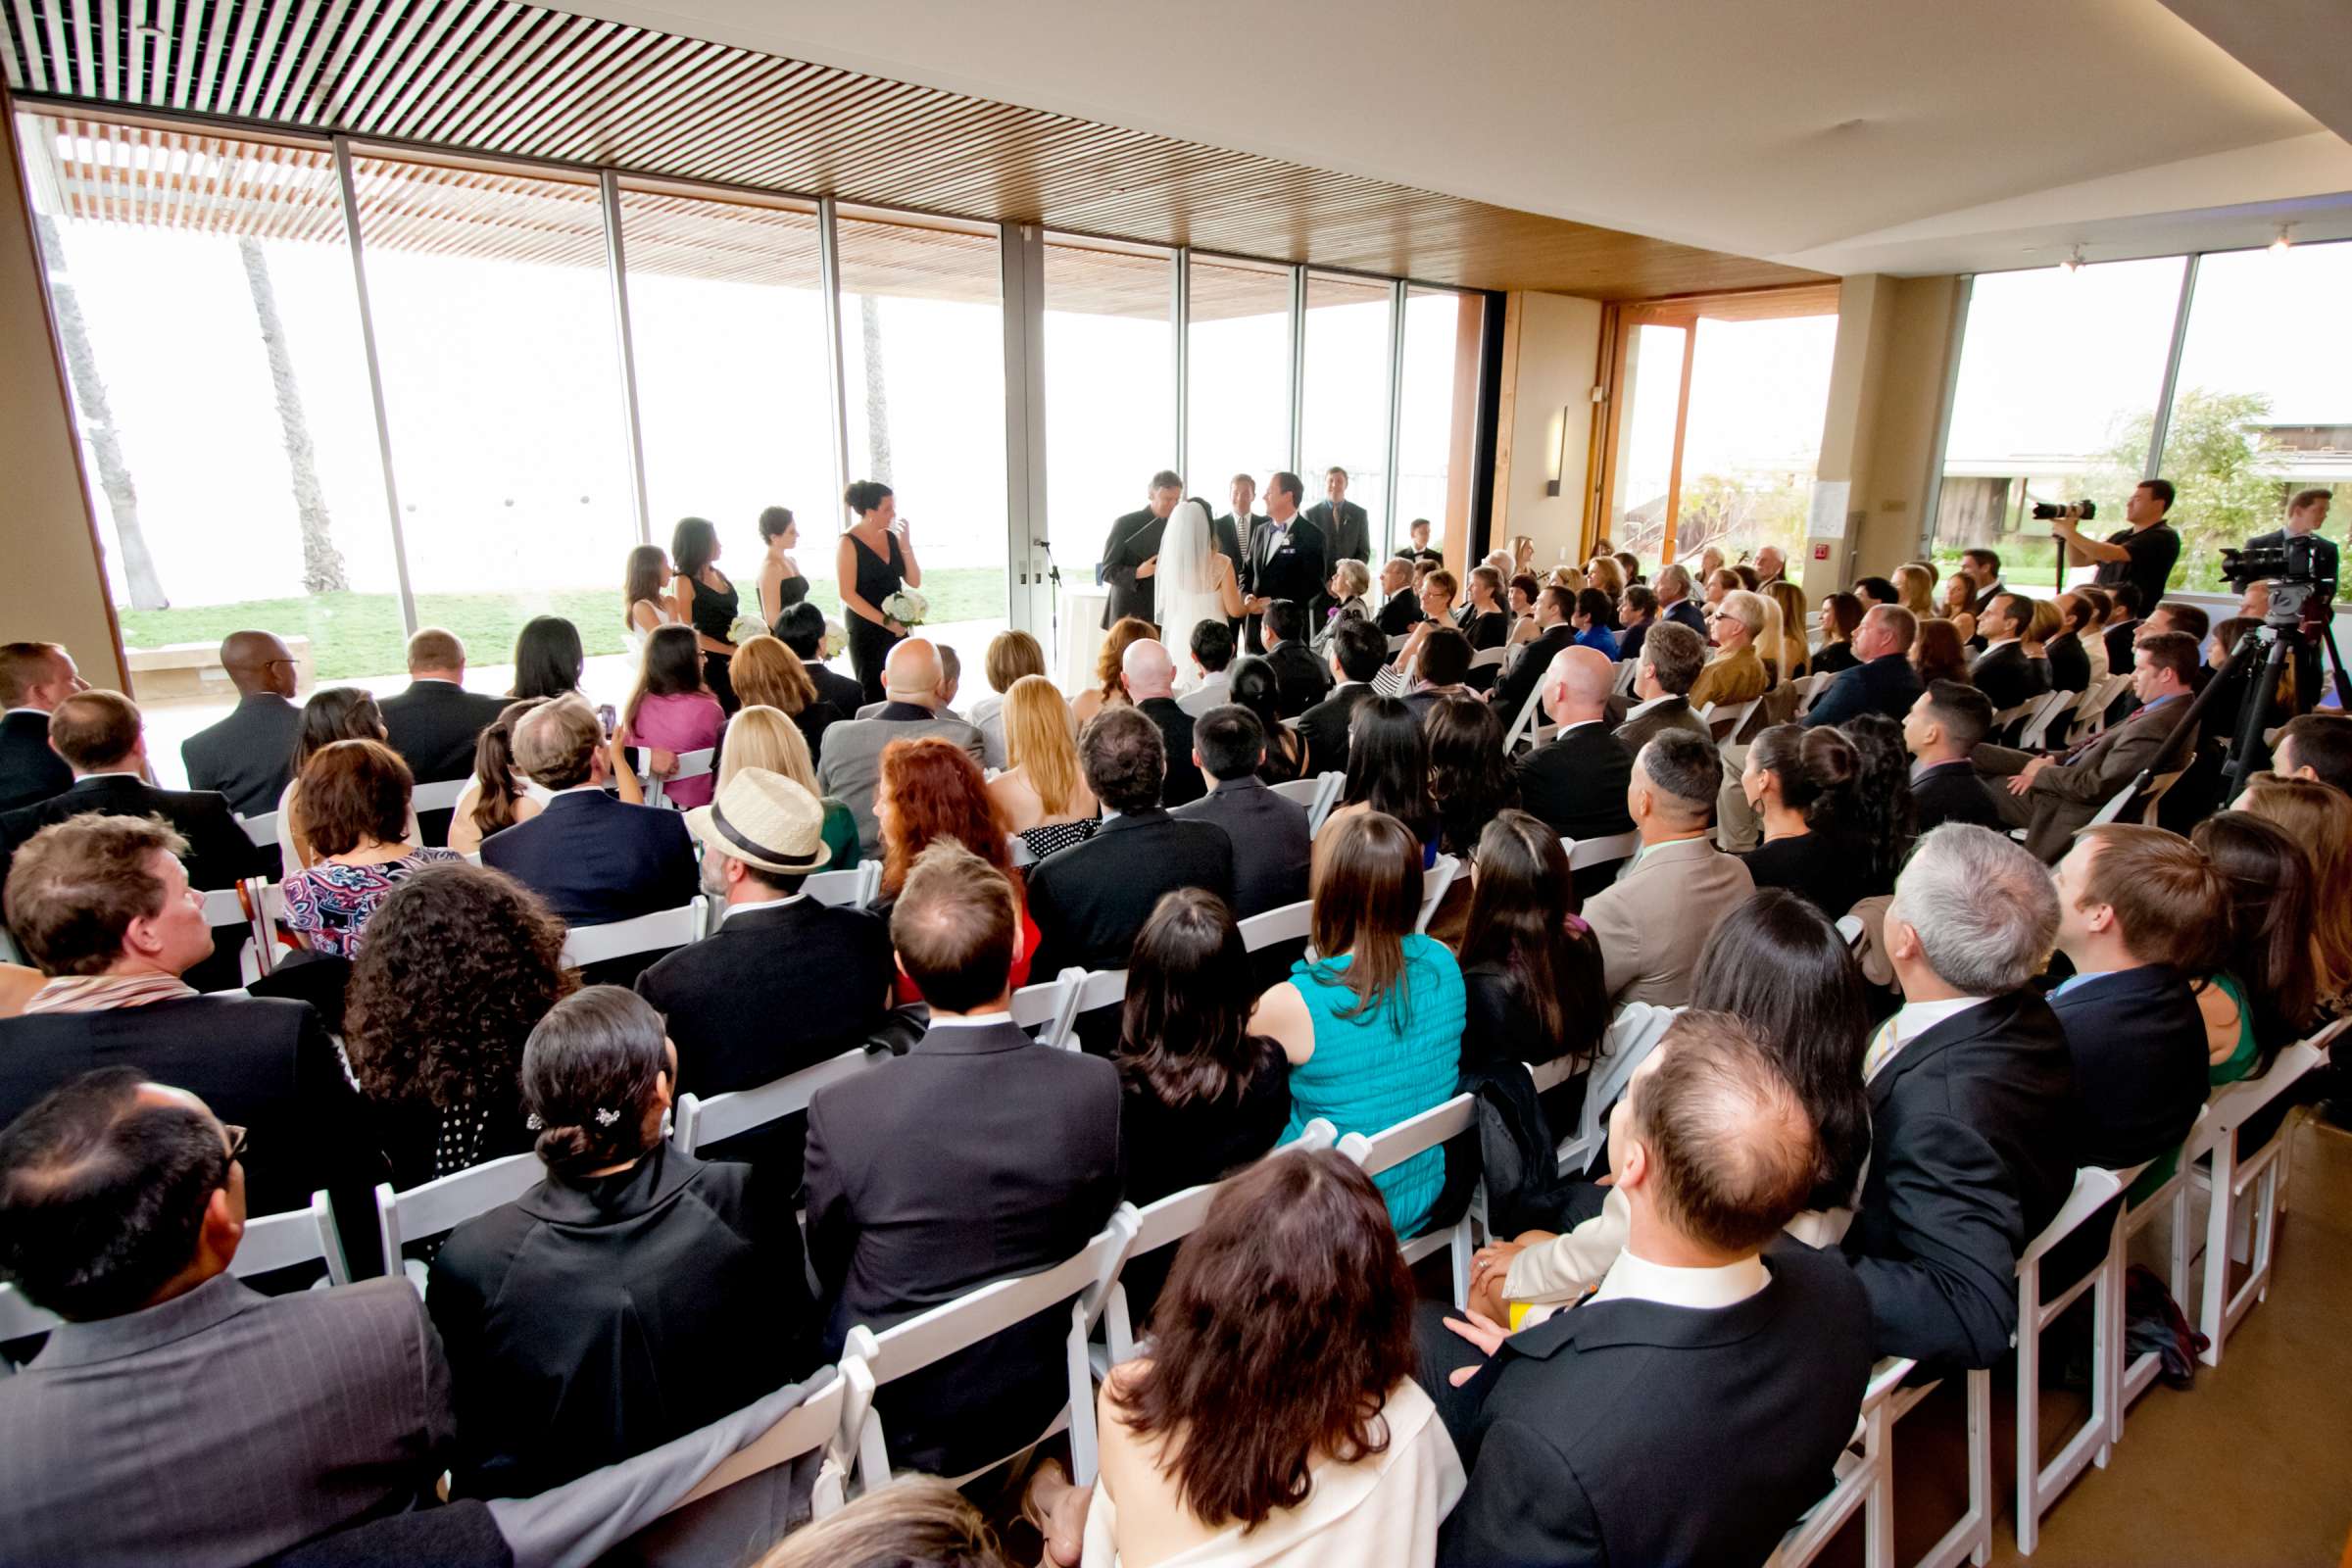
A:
x: 2291, y: 566
x: 2049, y: 510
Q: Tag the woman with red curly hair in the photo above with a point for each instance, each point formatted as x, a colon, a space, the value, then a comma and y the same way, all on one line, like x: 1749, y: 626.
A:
x: 930, y: 790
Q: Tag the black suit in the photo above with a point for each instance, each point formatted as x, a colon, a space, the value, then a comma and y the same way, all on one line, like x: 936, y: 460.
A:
x: 1400, y: 614
x: 1132, y: 540
x: 595, y: 860
x: 1090, y: 900
x: 1576, y: 783
x: 2138, y: 1047
x: 248, y: 755
x: 1324, y: 728
x: 219, y: 852
x: 835, y: 688
x: 1183, y: 783
x: 2069, y: 665
x: 2119, y: 641
x: 1952, y: 792
x: 433, y: 726
x: 1286, y: 564
x: 1271, y: 846
x: 1886, y: 684
x: 1685, y: 613
x: 29, y: 771
x: 267, y: 1066
x: 1019, y: 1167
x: 1972, y: 1154
x: 2007, y: 677
x: 1300, y: 679
x: 1584, y: 1434
x: 1519, y: 683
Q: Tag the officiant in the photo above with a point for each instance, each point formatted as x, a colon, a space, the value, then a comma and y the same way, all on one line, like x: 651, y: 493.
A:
x: 1133, y: 543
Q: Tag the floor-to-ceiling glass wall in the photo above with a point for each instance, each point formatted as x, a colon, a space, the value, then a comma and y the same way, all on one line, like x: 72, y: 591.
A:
x: 1110, y: 418
x: 1437, y: 415
x: 1344, y: 412
x: 1647, y: 415
x: 1237, y: 377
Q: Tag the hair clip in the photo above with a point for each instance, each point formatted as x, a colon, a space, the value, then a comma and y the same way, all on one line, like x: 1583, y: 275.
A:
x: 533, y: 1122
x: 606, y: 1118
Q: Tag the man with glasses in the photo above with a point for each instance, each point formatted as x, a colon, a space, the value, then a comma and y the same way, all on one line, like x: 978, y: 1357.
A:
x: 176, y: 1412
x: 247, y: 755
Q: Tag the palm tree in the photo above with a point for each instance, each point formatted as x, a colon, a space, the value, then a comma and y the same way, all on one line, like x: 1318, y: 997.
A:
x: 98, y: 424
x: 877, y: 401
x: 322, y: 563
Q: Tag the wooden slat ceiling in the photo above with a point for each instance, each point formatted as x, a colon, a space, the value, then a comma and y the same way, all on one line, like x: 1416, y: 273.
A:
x: 496, y: 77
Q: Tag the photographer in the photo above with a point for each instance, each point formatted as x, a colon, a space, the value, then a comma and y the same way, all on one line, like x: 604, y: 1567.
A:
x: 2143, y: 555
x: 2306, y: 514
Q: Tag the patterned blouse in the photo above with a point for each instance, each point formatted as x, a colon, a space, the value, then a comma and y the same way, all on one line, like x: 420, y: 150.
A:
x: 328, y: 905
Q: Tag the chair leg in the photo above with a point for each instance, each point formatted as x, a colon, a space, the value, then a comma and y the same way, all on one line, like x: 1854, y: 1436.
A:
x: 2029, y: 1407
x: 1979, y: 1465
x: 1878, y: 1503
x: 2214, y: 1298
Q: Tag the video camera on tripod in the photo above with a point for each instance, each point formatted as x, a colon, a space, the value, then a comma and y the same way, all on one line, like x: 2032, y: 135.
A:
x: 2299, y: 595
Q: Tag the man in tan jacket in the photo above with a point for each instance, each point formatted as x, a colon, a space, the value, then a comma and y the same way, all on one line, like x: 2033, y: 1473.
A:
x: 1653, y: 920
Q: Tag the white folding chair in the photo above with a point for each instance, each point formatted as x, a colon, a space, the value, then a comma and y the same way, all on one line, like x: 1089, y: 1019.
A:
x: 441, y: 796
x: 1523, y: 726
x: 2007, y: 716
x: 697, y: 1123
x: 1195, y: 704
x: 1629, y: 671
x: 1733, y: 717
x: 1814, y: 686
x: 19, y: 1319
x: 1850, y: 927
x: 1863, y: 1481
x: 1303, y: 791
x: 1433, y: 883
x: 1487, y: 659
x: 2131, y: 1380
x: 1632, y: 1033
x: 1083, y: 990
x: 1328, y: 786
x: 1288, y: 923
x: 2229, y: 1176
x: 262, y: 829
x: 1583, y: 853
x: 443, y: 1204
x: 1417, y: 1135
x: 1397, y: 642
x: 2048, y: 710
x: 239, y: 904
x: 2038, y: 1485
x: 813, y: 1424
x: 854, y: 887
x: 1038, y: 1005
x: 658, y: 932
x: 1083, y: 1280
x: 691, y: 764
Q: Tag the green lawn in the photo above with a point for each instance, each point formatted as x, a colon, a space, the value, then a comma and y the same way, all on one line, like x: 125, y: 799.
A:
x: 355, y: 634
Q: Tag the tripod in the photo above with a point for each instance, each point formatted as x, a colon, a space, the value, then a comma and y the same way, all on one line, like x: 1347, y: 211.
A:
x: 2270, y: 643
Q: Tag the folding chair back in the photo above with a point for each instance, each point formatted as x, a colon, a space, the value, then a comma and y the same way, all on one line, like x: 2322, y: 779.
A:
x: 1433, y: 884
x: 1289, y: 923
x: 262, y: 829
x: 1631, y: 1035
x: 1417, y: 1135
x: 1083, y: 990
x: 439, y: 796
x: 1583, y: 853
x: 691, y: 764
x: 1487, y: 659
x: 442, y: 1204
x: 658, y: 932
x: 1036, y: 1005
x: 813, y: 1424
x: 697, y: 1123
x: 853, y: 889
x: 2230, y: 1225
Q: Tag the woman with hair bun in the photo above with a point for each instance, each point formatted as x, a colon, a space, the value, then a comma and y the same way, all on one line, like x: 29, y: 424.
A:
x: 1801, y: 783
x: 635, y: 1294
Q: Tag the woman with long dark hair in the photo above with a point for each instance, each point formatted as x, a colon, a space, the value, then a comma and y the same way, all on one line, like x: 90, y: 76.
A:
x: 1253, y: 684
x: 548, y: 658
x: 2263, y: 997
x: 633, y: 1294
x: 1388, y: 772
x: 645, y: 595
x: 498, y: 795
x: 1530, y: 968
x: 1840, y: 618
x: 671, y: 713
x: 1801, y: 782
x: 1373, y: 1026
x: 1880, y: 812
x: 1469, y: 778
x: 876, y: 559
x: 701, y: 597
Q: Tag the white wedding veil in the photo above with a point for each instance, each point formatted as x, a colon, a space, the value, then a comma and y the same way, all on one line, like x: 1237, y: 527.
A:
x: 1184, y: 551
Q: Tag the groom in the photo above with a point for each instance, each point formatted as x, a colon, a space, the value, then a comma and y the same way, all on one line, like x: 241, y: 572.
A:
x: 1130, y: 555
x: 1285, y: 554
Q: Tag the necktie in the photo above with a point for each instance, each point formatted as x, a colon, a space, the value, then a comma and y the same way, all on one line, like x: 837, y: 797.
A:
x: 1882, y: 1046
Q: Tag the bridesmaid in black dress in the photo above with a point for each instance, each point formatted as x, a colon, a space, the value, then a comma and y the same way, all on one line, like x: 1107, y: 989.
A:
x: 701, y: 597
x: 876, y: 559
x: 781, y: 585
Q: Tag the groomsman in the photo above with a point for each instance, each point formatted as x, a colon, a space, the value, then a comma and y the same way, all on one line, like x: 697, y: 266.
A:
x: 1346, y: 534
x: 1286, y: 551
x: 1241, y: 523
x: 1132, y: 542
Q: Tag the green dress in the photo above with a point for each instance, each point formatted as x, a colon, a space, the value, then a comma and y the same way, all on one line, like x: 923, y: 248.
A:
x: 2241, y: 1060
x: 841, y: 836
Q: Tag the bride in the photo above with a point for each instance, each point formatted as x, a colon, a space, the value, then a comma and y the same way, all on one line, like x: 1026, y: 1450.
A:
x: 1195, y: 583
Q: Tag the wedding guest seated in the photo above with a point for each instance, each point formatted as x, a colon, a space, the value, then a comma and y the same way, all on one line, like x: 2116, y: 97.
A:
x: 635, y: 1294
x: 1356, y: 657
x: 1443, y: 671
x: 766, y: 673
x: 176, y: 1414
x: 1552, y: 634
x: 1882, y: 681
x: 35, y: 677
x: 1663, y: 673
x: 1012, y: 655
x: 1271, y: 847
x: 1290, y: 1320
x: 914, y: 1522
x: 1653, y: 921
x: 671, y: 713
x: 2139, y: 910
x: 1388, y: 772
x: 1531, y: 968
x: 1400, y: 604
x: 1110, y: 690
x: 434, y: 722
x: 1255, y: 687
x: 460, y: 964
x: 2002, y: 671
x: 1576, y: 781
x: 1020, y: 1166
x: 1300, y: 676
x: 1636, y: 615
x: 1090, y: 900
x: 1469, y: 777
x: 1435, y: 591
x: 355, y: 812
x: 593, y: 859
x: 1736, y: 674
x: 2263, y: 996
x: 1594, y: 612
x: 549, y: 659
x: 1148, y: 672
x: 759, y: 736
x: 785, y: 982
x: 1043, y: 795
x: 334, y: 713
x: 2318, y: 817
x: 802, y: 628
x: 1801, y: 783
x: 2316, y: 746
x: 1841, y: 619
x: 1879, y: 814
x: 1939, y: 652
x: 1211, y: 649
x: 244, y: 757
x: 102, y: 905
x: 1373, y: 1025
x: 1972, y: 1126
x: 1942, y: 731
x: 1701, y: 1353
x: 498, y: 795
x: 932, y: 790
x: 2073, y: 662
x: 852, y: 768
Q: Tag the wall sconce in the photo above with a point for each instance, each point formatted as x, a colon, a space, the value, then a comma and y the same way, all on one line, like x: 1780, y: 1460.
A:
x: 1559, y: 454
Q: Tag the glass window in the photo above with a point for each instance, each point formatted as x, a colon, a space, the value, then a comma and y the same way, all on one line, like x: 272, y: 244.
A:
x: 201, y: 290
x: 1650, y: 391
x: 1238, y: 377
x: 1759, y: 389
x: 492, y: 316
x: 922, y: 327
x: 727, y: 323
x: 1110, y: 418
x: 2259, y: 409
x: 1437, y: 425
x: 1345, y: 413
x: 2056, y: 398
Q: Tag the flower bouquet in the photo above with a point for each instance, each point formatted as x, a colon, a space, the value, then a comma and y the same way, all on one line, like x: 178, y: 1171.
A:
x: 835, y: 641
x: 744, y: 627
x: 905, y: 607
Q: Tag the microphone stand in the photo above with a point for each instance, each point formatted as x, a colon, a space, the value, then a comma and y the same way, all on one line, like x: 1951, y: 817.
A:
x: 1053, y: 604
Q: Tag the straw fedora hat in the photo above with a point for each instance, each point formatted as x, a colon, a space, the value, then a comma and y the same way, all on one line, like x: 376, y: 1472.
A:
x: 765, y: 820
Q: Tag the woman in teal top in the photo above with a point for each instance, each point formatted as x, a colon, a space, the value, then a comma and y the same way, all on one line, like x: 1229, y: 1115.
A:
x: 1373, y: 1029
x: 2262, y: 995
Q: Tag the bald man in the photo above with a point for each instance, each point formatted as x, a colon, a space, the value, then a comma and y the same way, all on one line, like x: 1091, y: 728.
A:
x: 1149, y: 672
x: 1575, y: 780
x: 851, y: 768
x: 249, y: 754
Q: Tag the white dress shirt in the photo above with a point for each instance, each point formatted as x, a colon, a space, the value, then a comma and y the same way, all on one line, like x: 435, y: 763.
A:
x: 1636, y: 1278
x: 734, y: 909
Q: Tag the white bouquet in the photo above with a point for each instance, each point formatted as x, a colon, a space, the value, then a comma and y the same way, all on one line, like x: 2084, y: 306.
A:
x: 835, y: 641
x: 744, y: 627
x: 905, y: 607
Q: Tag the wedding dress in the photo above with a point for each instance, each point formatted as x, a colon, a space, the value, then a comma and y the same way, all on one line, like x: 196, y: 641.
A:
x: 1188, y: 575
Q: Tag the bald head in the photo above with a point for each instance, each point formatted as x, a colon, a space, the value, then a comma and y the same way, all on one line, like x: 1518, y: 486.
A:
x: 1576, y: 686
x: 258, y: 662
x: 1147, y: 669
x: 912, y: 674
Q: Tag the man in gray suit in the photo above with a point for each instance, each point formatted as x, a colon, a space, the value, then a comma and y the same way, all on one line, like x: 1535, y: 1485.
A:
x: 1657, y: 914
x: 918, y: 691
x: 1271, y: 847
x: 177, y: 1415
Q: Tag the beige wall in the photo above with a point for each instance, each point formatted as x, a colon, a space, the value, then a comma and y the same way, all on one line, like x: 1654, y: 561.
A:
x: 1551, y: 364
x: 1886, y: 387
x: 52, y: 590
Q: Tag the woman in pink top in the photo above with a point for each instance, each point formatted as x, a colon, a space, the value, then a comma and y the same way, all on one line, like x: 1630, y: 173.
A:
x: 672, y: 712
